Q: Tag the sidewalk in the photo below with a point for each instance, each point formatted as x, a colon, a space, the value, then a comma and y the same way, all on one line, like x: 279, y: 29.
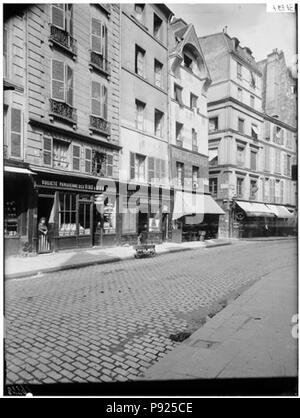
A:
x: 17, y: 267
x: 251, y: 337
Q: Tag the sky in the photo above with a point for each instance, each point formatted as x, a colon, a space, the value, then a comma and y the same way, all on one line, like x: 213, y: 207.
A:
x: 256, y: 28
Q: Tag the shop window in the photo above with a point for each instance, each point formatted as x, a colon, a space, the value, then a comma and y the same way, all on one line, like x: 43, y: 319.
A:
x: 10, y: 219
x: 158, y: 123
x: 140, y: 61
x: 47, y: 151
x: 98, y: 37
x: 193, y: 101
x: 67, y: 214
x: 157, y: 26
x: 87, y: 160
x: 158, y: 71
x: 213, y: 157
x: 213, y: 124
x: 62, y: 82
x: 140, y: 115
x: 253, y: 160
x: 76, y: 157
x: 84, y: 217
x: 139, y: 12
x: 240, y: 187
x: 60, y: 155
x: 16, y: 133
x: 99, y: 100
x: 213, y: 186
x: 241, y: 125
x: 154, y: 216
x: 180, y: 173
x: 178, y: 94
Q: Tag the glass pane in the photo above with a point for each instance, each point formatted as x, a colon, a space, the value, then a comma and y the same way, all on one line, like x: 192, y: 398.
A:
x: 58, y: 15
x: 96, y: 27
x: 96, y: 107
x: 16, y: 120
x: 58, y: 90
x: 15, y: 149
x: 96, y: 90
x: 96, y: 44
x: 58, y: 70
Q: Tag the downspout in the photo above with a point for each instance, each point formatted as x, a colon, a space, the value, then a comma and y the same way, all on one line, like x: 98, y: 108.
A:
x: 169, y: 122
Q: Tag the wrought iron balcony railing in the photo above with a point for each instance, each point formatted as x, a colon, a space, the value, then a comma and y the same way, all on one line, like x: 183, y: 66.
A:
x: 63, y: 111
x: 99, y: 125
x: 63, y: 39
x: 99, y: 63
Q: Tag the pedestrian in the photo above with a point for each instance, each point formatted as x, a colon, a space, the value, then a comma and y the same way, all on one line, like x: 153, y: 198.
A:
x: 43, y: 235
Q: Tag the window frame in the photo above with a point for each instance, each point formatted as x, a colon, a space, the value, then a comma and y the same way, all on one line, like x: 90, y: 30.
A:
x: 157, y: 34
x: 138, y: 50
x: 161, y: 123
x: 158, y: 64
x: 213, y: 186
x: 76, y: 158
x: 138, y: 113
x: 50, y: 152
x: 66, y: 88
x: 240, y: 187
x: 241, y: 122
x: 13, y: 132
x: 216, y: 125
x: 102, y: 37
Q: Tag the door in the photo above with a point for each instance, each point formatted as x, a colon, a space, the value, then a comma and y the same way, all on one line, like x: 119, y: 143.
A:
x: 46, y: 212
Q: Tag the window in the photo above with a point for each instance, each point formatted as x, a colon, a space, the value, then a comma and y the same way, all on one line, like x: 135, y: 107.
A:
x: 213, y: 156
x: 158, y: 123
x: 129, y: 222
x: 277, y: 161
x: 193, y: 101
x: 180, y: 173
x: 99, y: 37
x: 99, y: 162
x: 239, y: 187
x: 281, y: 192
x: 87, y: 160
x: 109, y: 165
x: 178, y: 94
x: 254, y: 132
x: 194, y: 140
x: 288, y: 165
x: 84, y: 219
x: 179, y: 137
x: 213, y: 124
x: 253, y: 158
x: 188, y: 62
x: 267, y: 157
x: 239, y: 70
x: 139, y: 12
x: 5, y: 55
x: 157, y: 26
x: 140, y: 61
x: 266, y: 190
x: 158, y: 68
x: 137, y: 167
x: 47, y: 151
x: 99, y: 100
x: 62, y: 82
x: 278, y: 135
x: 67, y: 214
x: 213, y: 186
x: 272, y: 190
x: 252, y: 101
x: 240, y: 155
x: 267, y: 130
x: 140, y: 115
x: 156, y: 170
x: 16, y: 133
x: 253, y: 189
x: 241, y: 125
x: 240, y: 94
x: 195, y: 176
x: 60, y: 154
x: 62, y: 16
x: 252, y: 80
x: 76, y: 157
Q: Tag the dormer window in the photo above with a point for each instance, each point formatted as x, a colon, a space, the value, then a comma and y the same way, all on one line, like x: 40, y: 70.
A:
x: 188, y: 62
x: 139, y: 12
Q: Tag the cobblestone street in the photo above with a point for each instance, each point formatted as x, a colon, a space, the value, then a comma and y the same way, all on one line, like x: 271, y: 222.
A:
x: 112, y: 322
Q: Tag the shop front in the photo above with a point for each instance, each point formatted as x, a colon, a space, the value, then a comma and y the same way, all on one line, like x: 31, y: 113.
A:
x: 195, y: 217
x: 73, y: 212
x: 252, y: 219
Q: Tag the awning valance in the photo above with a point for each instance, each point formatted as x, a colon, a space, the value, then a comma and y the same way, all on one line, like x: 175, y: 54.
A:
x: 255, y: 209
x: 187, y: 203
x: 281, y: 211
x: 18, y: 170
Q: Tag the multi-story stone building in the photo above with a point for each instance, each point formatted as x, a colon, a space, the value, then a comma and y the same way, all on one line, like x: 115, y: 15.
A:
x: 61, y: 124
x: 194, y: 210
x: 144, y: 162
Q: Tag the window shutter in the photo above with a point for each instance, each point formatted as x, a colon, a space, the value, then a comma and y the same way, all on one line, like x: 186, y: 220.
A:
x: 96, y: 98
x: 104, y: 102
x: 109, y: 165
x: 69, y: 85
x: 97, y: 36
x: 132, y: 166
x: 76, y: 157
x: 88, y: 160
x: 285, y: 164
x: 16, y: 133
x: 58, y: 80
x: 104, y: 40
x: 58, y: 15
x: 47, y: 151
x: 151, y: 174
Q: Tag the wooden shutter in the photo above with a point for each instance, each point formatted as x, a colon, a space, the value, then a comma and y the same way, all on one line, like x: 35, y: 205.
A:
x: 76, y: 157
x: 97, y: 45
x: 58, y: 19
x: 109, y: 165
x: 16, y: 133
x: 151, y: 173
x: 96, y: 98
x: 104, y: 40
x: 58, y: 80
x: 132, y: 166
x: 88, y: 160
x: 47, y: 151
x: 104, y: 102
x: 69, y: 85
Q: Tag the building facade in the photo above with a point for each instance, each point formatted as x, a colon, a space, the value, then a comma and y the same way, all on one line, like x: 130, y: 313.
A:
x: 239, y: 144
x: 61, y: 124
x: 194, y: 212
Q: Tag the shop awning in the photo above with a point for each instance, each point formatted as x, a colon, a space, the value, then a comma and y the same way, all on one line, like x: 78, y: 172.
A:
x: 280, y: 211
x: 19, y: 170
x: 191, y: 203
x: 255, y: 209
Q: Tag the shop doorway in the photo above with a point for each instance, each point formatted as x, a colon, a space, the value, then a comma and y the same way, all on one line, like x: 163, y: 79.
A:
x: 45, y: 223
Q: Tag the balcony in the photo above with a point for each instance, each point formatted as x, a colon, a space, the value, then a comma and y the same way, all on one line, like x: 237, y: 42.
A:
x: 63, y: 111
x: 99, y: 63
x: 99, y: 125
x: 63, y: 39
